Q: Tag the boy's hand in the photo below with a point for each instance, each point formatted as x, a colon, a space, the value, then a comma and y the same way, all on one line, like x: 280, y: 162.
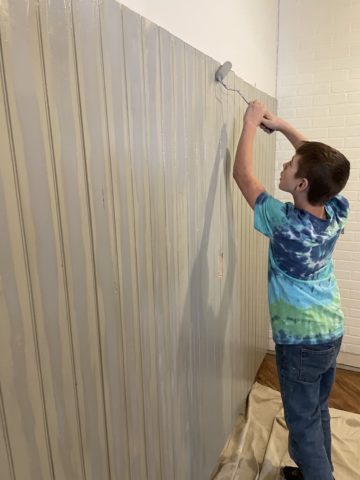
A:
x: 255, y: 113
x: 272, y: 121
x: 276, y: 123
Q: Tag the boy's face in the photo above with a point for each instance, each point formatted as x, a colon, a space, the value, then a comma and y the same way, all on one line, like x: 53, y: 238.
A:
x: 288, y: 181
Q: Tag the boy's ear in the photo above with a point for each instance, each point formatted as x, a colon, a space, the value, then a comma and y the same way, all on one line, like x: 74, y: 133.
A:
x: 303, y: 185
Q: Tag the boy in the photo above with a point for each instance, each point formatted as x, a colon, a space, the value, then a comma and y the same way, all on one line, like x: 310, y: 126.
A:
x: 304, y: 300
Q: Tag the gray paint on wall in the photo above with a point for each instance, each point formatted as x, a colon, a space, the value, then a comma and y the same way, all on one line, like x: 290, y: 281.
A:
x: 132, y: 285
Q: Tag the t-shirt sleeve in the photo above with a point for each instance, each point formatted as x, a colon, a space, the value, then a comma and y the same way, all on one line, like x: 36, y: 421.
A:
x: 269, y: 214
x: 340, y: 206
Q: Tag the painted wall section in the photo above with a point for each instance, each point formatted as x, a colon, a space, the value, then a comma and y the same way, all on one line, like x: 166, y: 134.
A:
x: 242, y: 31
x: 318, y: 91
x: 132, y: 285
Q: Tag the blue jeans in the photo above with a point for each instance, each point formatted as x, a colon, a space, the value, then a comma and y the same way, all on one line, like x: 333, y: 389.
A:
x: 306, y: 375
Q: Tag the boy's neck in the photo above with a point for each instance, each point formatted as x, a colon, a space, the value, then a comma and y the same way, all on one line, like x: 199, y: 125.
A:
x: 317, y: 210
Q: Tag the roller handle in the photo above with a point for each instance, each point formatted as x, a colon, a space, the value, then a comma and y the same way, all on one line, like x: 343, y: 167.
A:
x: 266, y: 129
x: 220, y: 74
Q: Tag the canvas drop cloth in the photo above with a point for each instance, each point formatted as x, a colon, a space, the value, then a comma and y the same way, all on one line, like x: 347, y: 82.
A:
x: 257, y: 447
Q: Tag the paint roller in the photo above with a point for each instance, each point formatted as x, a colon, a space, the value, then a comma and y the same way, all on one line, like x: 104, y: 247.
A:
x: 220, y: 74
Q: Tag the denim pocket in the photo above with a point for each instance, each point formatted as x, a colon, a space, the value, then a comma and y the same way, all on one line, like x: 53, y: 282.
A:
x: 315, y: 361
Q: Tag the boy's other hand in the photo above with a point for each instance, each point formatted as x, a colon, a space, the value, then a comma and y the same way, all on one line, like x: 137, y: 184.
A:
x: 271, y: 121
x: 255, y: 113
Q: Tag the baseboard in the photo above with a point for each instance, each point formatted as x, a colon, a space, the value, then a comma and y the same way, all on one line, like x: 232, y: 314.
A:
x: 349, y: 361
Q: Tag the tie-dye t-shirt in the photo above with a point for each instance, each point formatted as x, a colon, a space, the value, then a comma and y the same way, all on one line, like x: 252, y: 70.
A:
x: 304, y: 299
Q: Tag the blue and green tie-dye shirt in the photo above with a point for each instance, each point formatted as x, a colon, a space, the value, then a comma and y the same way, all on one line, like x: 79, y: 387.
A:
x: 304, y: 298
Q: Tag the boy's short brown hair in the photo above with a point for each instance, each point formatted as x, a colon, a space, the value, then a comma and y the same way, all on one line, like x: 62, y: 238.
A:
x: 326, y: 169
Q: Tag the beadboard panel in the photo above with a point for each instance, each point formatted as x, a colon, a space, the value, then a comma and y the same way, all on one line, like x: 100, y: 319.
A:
x: 132, y: 284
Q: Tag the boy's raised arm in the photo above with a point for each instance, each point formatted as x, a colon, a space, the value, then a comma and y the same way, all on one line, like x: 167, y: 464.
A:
x: 243, y: 166
x: 256, y: 115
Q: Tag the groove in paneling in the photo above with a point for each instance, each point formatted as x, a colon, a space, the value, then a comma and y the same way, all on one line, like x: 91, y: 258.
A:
x: 6, y: 459
x: 230, y: 254
x: 152, y: 85
x: 54, y: 173
x: 147, y: 313
x: 126, y: 230
x: 238, y: 375
x: 167, y: 380
x: 141, y: 217
x: 181, y: 341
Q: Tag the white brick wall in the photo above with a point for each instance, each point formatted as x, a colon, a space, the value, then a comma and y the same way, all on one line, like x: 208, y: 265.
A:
x: 318, y: 88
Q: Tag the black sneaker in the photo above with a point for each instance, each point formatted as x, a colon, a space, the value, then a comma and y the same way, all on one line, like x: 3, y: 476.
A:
x: 291, y: 473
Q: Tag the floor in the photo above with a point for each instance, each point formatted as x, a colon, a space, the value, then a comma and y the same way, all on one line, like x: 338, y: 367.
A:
x: 258, y: 445
x: 345, y: 393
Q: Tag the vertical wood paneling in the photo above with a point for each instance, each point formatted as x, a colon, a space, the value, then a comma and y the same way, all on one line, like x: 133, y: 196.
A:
x: 132, y: 284
x: 5, y: 465
x: 21, y: 393
x: 204, y: 222
x: 229, y: 253
x: 181, y: 342
x: 152, y: 85
x: 128, y: 418
x: 170, y: 356
x: 6, y: 461
x: 200, y: 315
x: 238, y: 368
x: 194, y: 195
x: 150, y: 326
x: 66, y: 116
x: 215, y: 317
x: 241, y: 236
x: 139, y: 145
x: 246, y: 266
x: 33, y: 161
x: 99, y: 173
